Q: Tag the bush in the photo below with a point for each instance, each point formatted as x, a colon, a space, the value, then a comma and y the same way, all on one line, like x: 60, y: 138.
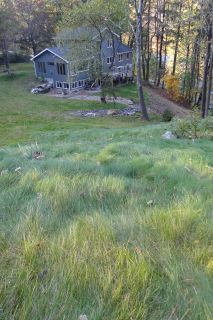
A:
x: 172, y: 84
x: 167, y: 115
x: 194, y: 127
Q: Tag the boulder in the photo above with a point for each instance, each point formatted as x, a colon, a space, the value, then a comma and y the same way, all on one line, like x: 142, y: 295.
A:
x: 83, y: 317
x: 168, y: 135
x: 112, y: 112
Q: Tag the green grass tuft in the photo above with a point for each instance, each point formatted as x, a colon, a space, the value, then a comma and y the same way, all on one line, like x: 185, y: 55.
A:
x: 112, y: 222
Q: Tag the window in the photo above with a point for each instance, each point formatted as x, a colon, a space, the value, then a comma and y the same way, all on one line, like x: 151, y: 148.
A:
x: 109, y: 60
x: 128, y: 55
x: 58, y: 84
x: 61, y: 68
x: 81, y: 83
x: 78, y: 84
x: 50, y: 63
x: 109, y: 43
x: 41, y: 67
x: 66, y: 85
x: 120, y: 57
x: 74, y: 85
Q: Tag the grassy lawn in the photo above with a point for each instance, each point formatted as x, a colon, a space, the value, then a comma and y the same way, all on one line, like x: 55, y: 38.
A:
x: 113, y: 222
x: 128, y: 91
x: 25, y: 116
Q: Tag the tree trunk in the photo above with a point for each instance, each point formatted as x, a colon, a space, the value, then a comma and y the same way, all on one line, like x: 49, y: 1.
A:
x: 148, y: 43
x: 139, y: 10
x: 161, y: 46
x: 157, y: 42
x: 194, y: 57
x: 176, y: 51
x: 209, y: 89
x: 204, y: 107
x: 165, y: 60
x: 143, y: 58
x: 6, y: 56
x: 177, y: 42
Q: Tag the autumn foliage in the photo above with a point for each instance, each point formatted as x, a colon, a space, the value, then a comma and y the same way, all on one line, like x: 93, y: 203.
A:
x: 172, y: 84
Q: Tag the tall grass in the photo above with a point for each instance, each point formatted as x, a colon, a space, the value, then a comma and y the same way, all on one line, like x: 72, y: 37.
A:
x: 79, y: 234
x: 114, y: 223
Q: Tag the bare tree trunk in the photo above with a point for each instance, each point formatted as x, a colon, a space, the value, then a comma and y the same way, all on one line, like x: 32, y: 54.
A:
x: 143, y: 58
x: 6, y: 56
x: 209, y: 89
x: 177, y: 43
x: 165, y: 60
x: 157, y: 41
x: 148, y: 43
x: 206, y: 73
x: 161, y: 45
x: 187, y: 59
x: 139, y: 10
x: 194, y: 68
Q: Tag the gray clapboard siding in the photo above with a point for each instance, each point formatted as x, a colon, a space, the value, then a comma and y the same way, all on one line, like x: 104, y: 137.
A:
x: 50, y: 57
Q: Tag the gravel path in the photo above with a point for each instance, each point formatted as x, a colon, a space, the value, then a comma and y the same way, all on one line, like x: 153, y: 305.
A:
x: 157, y: 103
x: 88, y: 97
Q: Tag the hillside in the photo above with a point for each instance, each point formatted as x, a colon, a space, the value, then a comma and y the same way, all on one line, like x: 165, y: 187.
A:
x: 100, y: 216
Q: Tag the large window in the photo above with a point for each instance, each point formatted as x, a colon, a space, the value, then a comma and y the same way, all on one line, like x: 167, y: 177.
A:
x: 41, y: 67
x: 120, y: 57
x: 109, y: 60
x: 78, y: 84
x: 66, y: 85
x: 58, y: 84
x: 109, y: 43
x: 61, y: 68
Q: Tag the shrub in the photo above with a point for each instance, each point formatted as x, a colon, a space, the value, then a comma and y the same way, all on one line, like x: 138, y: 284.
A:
x: 167, y: 115
x: 172, y: 84
x: 194, y: 127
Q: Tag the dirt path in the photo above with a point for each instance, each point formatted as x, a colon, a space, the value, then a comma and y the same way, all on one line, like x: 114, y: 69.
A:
x: 158, y: 104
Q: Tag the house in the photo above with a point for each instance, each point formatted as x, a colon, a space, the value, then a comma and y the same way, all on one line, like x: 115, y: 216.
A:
x: 58, y: 66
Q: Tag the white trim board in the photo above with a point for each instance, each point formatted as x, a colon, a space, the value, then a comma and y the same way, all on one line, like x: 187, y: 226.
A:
x: 37, y: 55
x: 105, y: 30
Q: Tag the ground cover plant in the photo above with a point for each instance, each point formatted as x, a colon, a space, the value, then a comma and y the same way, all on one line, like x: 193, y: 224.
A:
x: 100, y: 216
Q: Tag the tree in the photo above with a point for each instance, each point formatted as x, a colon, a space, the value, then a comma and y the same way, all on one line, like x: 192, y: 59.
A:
x: 207, y: 10
x: 98, y: 15
x: 38, y: 22
x: 8, y: 27
x: 138, y: 5
x: 179, y: 7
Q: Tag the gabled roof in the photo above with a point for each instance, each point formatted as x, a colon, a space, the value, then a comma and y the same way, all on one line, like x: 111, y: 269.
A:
x: 123, y: 48
x: 59, y: 52
x: 103, y: 30
x: 81, y: 33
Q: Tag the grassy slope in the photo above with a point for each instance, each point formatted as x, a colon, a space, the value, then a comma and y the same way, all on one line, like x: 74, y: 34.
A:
x: 79, y: 233
x: 25, y: 116
x: 128, y: 91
